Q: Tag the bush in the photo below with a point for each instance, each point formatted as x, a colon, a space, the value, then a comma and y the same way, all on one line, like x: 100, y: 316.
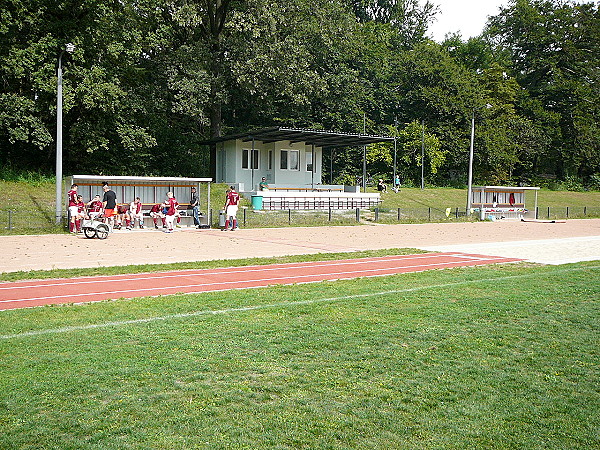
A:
x: 573, y: 183
x: 594, y: 182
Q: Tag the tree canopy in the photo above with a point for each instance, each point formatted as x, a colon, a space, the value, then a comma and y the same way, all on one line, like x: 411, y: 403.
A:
x: 149, y: 80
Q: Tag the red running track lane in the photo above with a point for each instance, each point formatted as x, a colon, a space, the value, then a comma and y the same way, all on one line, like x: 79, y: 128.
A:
x: 22, y: 294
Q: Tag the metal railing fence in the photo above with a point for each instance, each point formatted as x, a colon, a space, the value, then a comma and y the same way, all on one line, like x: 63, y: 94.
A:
x: 28, y: 222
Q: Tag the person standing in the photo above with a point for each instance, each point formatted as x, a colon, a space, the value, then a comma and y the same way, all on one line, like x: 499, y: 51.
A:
x: 171, y: 213
x: 81, y: 213
x: 73, y: 207
x: 231, y: 206
x: 397, y: 183
x: 109, y: 203
x: 194, y: 204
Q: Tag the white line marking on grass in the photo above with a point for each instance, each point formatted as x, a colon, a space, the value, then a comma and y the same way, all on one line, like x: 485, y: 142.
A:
x: 275, y: 305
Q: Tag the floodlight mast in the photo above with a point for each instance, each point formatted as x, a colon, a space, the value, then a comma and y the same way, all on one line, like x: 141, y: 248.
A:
x: 70, y: 48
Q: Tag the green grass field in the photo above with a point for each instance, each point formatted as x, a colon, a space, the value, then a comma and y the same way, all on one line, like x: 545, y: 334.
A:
x: 489, y: 357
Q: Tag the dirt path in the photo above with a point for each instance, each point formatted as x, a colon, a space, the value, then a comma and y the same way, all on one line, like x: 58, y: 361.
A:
x: 45, y: 252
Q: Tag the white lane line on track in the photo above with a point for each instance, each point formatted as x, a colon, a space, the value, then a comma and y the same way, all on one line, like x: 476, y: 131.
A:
x: 373, y: 272
x: 276, y: 305
x: 246, y: 269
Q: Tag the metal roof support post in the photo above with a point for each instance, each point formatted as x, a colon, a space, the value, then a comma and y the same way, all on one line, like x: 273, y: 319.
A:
x: 364, y: 168
x: 312, y: 168
x: 331, y: 166
x: 252, y: 165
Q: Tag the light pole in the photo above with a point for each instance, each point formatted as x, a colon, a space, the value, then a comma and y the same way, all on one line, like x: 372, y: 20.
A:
x: 470, y: 182
x: 423, y: 158
x: 69, y: 48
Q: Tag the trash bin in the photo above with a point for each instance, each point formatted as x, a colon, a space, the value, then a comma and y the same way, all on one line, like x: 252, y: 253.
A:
x: 222, y: 218
x: 257, y: 202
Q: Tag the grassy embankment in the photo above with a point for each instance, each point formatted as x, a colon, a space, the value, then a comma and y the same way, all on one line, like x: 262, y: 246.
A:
x: 34, y: 203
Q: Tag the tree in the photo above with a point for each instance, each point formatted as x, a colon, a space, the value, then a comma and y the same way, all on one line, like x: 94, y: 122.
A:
x: 554, y: 47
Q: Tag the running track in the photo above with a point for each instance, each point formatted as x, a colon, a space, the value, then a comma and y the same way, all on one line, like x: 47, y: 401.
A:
x: 23, y: 294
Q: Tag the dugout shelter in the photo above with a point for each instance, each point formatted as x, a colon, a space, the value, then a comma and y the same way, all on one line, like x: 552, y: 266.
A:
x: 504, y: 202
x: 150, y: 190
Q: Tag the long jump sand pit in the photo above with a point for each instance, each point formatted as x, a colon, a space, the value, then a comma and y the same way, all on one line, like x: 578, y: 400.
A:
x: 573, y: 240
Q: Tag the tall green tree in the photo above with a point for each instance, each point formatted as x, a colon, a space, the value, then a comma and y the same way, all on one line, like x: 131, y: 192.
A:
x: 554, y: 47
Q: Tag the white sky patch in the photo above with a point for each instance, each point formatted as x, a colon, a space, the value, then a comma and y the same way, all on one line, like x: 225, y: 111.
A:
x: 468, y: 17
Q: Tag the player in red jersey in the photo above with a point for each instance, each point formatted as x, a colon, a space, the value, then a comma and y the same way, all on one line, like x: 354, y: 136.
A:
x: 81, y: 213
x: 73, y: 208
x: 171, y: 211
x: 156, y: 213
x: 94, y: 207
x: 231, y: 206
x: 135, y: 213
x: 123, y: 217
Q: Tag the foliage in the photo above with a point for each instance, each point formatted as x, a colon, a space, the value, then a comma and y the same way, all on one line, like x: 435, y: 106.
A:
x: 150, y: 81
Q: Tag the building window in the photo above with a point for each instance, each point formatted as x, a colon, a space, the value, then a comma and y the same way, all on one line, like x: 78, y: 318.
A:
x: 309, y: 161
x: 246, y: 163
x: 270, y: 161
x: 290, y: 160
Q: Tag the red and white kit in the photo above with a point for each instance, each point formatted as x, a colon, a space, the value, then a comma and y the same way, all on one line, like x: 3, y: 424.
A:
x: 135, y: 213
x: 94, y: 208
x: 231, y: 206
x: 171, y: 212
x: 72, y: 198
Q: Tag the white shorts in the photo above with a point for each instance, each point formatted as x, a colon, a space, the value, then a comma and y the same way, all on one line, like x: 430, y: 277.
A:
x: 170, y: 220
x: 232, y: 210
x: 73, y: 211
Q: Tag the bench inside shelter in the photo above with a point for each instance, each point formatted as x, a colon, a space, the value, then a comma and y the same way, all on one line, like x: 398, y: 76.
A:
x: 151, y: 190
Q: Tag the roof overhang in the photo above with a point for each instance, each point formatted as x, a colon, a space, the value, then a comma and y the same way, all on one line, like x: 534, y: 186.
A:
x: 318, y: 138
x: 164, y: 180
x: 506, y: 188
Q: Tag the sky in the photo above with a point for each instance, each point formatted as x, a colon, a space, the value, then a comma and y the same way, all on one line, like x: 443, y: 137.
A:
x: 465, y: 16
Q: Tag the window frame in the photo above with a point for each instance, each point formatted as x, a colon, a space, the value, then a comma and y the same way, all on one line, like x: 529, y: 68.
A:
x: 250, y: 159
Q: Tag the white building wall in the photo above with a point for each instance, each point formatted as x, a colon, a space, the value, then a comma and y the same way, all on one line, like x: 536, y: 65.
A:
x: 230, y: 155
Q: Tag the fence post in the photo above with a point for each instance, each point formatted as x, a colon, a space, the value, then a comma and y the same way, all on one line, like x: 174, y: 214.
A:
x: 376, y: 214
x: 456, y: 214
x: 537, y: 212
x: 358, y: 214
x: 289, y: 216
x: 429, y: 213
x: 567, y: 212
x: 9, y: 219
x: 398, y: 214
x: 548, y: 212
x: 330, y: 212
x: 245, y: 216
x: 585, y: 210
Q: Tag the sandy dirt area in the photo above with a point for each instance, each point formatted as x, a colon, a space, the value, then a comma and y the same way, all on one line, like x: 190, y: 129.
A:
x: 552, y: 243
